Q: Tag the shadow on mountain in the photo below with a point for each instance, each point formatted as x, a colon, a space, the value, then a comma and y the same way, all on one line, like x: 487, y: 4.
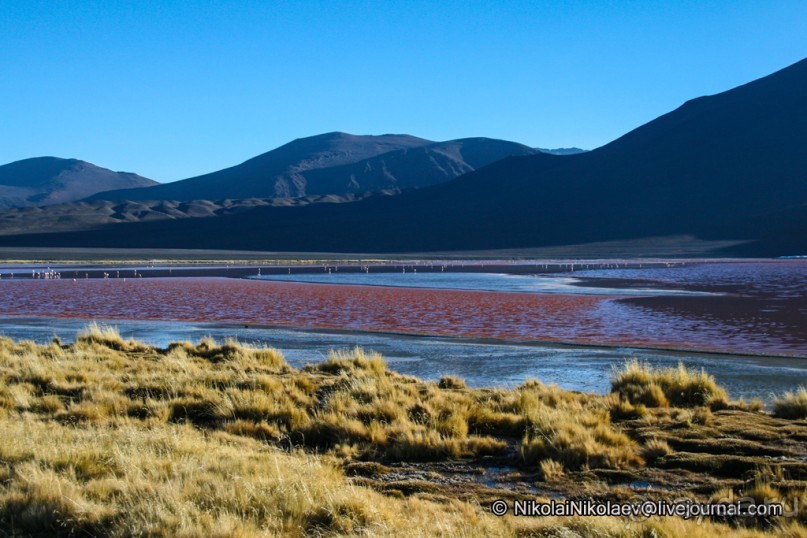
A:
x: 726, y: 167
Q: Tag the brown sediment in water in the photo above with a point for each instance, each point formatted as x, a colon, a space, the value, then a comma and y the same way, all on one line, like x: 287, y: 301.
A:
x: 584, y: 319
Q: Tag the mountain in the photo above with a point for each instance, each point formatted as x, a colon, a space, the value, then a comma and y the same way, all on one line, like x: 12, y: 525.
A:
x: 562, y: 151
x: 731, y: 166
x: 275, y: 174
x: 49, y: 180
x: 387, y: 173
x: 417, y: 167
x: 335, y: 163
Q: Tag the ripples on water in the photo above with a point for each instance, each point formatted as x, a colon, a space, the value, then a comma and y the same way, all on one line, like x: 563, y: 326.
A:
x: 733, y: 323
x: 763, y: 304
x: 415, y: 311
x: 782, y: 280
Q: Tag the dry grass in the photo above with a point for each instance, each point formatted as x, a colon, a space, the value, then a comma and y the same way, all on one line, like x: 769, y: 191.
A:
x: 125, y: 480
x: 641, y: 384
x: 451, y: 382
x: 655, y: 449
x: 349, y: 399
x: 108, y: 337
x: 551, y: 470
x: 791, y: 405
x: 112, y: 437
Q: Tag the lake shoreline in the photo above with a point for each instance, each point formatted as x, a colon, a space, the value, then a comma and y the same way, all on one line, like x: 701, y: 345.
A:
x: 457, y: 339
x: 482, y: 362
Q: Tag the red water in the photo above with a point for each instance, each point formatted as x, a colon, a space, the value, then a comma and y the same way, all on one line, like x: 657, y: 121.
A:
x: 476, y: 314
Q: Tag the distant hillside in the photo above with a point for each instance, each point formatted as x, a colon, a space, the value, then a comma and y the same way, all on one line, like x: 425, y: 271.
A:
x: 422, y: 166
x: 335, y: 163
x: 90, y: 214
x: 279, y: 173
x: 731, y: 166
x: 49, y: 180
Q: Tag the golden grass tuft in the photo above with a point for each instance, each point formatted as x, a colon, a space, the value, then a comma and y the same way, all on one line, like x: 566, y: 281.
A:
x: 622, y: 409
x: 791, y: 405
x: 352, y: 362
x: 109, y: 337
x: 451, y: 382
x: 655, y: 449
x: 582, y: 440
x: 641, y: 384
x: 551, y: 470
x: 232, y: 351
x: 484, y: 420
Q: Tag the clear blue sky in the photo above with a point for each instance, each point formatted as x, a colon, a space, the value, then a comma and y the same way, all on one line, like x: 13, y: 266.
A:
x: 174, y: 89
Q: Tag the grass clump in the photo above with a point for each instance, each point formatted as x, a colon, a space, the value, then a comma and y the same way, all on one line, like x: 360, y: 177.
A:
x: 177, y: 481
x: 655, y: 449
x: 351, y: 362
x: 109, y: 337
x: 641, y: 384
x: 577, y: 438
x: 551, y: 470
x: 486, y: 420
x: 624, y: 410
x: 791, y: 405
x: 232, y: 351
x: 451, y: 382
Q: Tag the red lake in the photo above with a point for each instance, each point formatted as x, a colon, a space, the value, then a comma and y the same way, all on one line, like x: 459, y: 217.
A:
x: 556, y: 317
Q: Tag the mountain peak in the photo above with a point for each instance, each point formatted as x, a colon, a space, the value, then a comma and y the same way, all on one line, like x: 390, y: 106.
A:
x: 729, y: 168
x: 51, y: 180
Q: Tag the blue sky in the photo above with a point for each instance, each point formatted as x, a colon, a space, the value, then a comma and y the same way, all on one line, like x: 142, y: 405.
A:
x: 174, y: 89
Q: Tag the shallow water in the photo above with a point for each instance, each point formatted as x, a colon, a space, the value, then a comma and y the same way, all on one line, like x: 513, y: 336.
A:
x: 781, y: 280
x: 479, y: 363
x: 476, y: 281
x: 736, y: 320
x: 470, y: 327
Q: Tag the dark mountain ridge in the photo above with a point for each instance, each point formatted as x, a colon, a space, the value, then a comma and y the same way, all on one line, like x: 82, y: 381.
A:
x: 727, y: 166
x: 416, y: 167
x: 44, y: 181
x: 335, y: 163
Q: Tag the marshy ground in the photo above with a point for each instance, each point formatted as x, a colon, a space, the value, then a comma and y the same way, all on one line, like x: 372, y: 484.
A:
x: 114, y: 437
